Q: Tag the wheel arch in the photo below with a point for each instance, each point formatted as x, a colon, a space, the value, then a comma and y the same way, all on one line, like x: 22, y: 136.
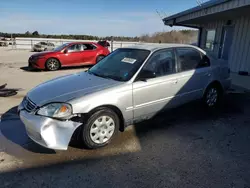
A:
x: 97, y: 56
x: 216, y: 83
x: 101, y: 54
x: 116, y: 110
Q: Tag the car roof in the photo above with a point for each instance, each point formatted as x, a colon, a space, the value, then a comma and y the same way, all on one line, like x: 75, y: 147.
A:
x: 154, y: 47
x: 80, y: 42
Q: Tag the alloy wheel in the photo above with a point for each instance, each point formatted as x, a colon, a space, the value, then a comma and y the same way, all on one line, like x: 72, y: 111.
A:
x: 52, y: 64
x: 212, y: 97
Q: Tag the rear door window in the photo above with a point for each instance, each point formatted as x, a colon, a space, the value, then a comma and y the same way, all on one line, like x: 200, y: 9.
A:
x: 190, y: 59
x: 88, y: 47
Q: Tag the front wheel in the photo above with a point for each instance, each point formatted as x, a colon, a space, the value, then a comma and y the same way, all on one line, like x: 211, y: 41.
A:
x: 212, y: 96
x: 52, y: 64
x: 100, y: 128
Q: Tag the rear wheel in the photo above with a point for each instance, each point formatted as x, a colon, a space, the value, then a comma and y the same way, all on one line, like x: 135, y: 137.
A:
x: 100, y: 128
x: 52, y: 64
x: 212, y: 96
x: 99, y: 58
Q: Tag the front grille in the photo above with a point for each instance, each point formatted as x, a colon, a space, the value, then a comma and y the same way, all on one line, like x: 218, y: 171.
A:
x: 29, y: 105
x: 31, y: 60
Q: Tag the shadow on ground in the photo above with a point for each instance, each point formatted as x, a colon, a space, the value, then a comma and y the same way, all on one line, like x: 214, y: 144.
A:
x: 191, y: 113
x: 13, y: 130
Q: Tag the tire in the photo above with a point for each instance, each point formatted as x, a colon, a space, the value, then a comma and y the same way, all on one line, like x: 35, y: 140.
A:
x: 100, y: 128
x: 52, y: 64
x: 212, y: 96
x: 99, y: 58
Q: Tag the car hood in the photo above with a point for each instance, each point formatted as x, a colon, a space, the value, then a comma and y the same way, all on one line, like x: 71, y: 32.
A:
x: 43, y: 53
x: 69, y: 87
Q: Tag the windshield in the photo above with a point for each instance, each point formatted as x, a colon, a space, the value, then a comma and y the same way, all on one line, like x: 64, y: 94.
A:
x: 121, y: 64
x: 59, y: 48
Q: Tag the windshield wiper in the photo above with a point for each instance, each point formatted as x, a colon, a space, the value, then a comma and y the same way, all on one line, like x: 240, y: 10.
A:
x: 99, y: 75
x: 93, y: 73
x: 113, y: 77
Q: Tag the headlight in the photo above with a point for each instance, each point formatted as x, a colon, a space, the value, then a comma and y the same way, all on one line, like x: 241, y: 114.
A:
x: 56, y: 110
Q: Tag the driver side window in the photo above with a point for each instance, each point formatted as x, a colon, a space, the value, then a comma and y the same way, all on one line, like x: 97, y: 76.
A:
x: 161, y: 63
x: 75, y: 48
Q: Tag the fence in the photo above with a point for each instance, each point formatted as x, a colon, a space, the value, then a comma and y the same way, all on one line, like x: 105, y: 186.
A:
x: 28, y: 43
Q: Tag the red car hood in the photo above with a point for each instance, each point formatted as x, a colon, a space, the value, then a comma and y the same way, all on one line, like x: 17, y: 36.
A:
x: 43, y: 53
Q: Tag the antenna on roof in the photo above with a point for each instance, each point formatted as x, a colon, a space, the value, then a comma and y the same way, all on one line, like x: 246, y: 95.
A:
x: 159, y: 14
x: 164, y: 13
x: 199, y: 2
x: 161, y: 17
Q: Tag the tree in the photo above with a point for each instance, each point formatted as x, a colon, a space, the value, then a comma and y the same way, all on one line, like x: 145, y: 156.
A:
x: 27, y: 33
x: 186, y: 36
x: 35, y: 33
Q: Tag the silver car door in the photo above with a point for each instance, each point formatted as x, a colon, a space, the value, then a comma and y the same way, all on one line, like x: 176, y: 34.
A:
x: 154, y: 94
x: 194, y: 74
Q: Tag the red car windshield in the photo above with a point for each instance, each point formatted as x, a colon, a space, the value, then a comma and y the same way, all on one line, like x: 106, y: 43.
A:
x: 121, y: 64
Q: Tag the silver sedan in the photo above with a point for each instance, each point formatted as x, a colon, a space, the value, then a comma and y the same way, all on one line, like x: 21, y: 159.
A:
x: 43, y: 46
x: 128, y: 86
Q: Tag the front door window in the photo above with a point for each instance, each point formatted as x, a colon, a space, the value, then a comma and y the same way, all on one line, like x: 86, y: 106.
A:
x: 75, y: 48
x: 161, y: 63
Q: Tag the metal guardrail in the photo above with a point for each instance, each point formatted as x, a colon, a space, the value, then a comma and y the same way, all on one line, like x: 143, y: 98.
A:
x: 28, y: 43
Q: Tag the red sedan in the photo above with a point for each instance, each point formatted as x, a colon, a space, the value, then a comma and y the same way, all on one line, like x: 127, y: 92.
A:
x: 69, y: 54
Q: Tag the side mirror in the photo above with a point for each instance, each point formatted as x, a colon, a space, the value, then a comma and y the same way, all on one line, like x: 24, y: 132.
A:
x: 146, y: 74
x: 65, y: 51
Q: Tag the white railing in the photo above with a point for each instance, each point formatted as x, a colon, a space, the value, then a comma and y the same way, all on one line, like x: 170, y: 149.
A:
x: 28, y: 43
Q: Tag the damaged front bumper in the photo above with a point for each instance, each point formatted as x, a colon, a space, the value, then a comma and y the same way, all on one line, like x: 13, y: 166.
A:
x: 48, y: 132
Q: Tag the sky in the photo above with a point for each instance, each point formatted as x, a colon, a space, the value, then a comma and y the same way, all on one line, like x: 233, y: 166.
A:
x: 96, y: 17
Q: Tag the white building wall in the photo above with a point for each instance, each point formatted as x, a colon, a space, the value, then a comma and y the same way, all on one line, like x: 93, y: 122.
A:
x: 240, y: 52
x: 239, y: 58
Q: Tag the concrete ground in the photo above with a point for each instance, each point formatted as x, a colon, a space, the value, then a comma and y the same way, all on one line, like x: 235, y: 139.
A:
x: 241, y: 81
x: 13, y: 71
x: 184, y: 147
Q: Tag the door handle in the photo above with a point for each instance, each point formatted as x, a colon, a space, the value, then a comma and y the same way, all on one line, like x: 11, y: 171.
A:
x: 208, y: 74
